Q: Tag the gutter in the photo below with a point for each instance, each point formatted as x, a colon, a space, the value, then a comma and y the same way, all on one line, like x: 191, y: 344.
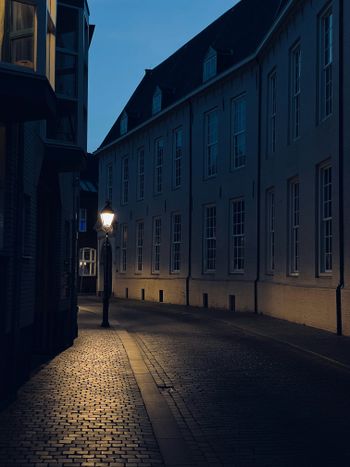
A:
x: 340, y: 285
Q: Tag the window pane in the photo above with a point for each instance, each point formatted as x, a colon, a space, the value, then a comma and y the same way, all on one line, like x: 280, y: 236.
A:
x: 66, y: 74
x: 67, y: 27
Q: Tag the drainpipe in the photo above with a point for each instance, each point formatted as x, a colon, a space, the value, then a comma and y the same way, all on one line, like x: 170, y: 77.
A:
x: 340, y: 285
x: 258, y: 197
x: 190, y: 209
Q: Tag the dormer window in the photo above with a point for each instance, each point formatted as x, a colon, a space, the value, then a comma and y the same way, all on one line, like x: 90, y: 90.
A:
x: 210, y: 64
x: 124, y: 124
x: 157, y: 101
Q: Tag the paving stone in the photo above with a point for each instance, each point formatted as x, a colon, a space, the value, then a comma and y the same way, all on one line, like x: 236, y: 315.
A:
x: 83, y: 408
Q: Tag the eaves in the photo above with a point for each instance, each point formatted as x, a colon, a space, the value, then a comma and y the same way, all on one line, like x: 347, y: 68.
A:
x: 205, y: 86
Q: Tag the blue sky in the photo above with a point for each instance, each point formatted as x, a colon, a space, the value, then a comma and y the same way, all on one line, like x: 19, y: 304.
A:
x: 132, y: 35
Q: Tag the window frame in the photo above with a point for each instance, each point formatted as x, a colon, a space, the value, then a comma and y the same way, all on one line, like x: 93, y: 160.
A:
x: 124, y: 248
x: 210, y: 142
x: 294, y: 227
x: 295, y: 91
x: 176, y: 242
x: 140, y: 188
x: 177, y: 157
x: 82, y: 219
x: 140, y: 240
x: 156, y: 244
x: 326, y: 68
x: 210, y: 64
x: 125, y: 180
x: 158, y: 165
x: 323, y: 221
x: 91, y: 263
x: 237, y: 132
x: 237, y: 234
x: 209, y: 238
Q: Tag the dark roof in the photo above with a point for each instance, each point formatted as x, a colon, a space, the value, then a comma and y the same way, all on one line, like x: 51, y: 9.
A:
x: 235, y: 36
x: 89, y: 176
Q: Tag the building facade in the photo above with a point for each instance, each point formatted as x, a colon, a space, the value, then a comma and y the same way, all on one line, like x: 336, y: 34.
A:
x: 227, y: 168
x: 87, y: 234
x: 43, y: 93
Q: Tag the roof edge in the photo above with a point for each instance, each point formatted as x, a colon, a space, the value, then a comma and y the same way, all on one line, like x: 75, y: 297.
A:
x: 235, y: 67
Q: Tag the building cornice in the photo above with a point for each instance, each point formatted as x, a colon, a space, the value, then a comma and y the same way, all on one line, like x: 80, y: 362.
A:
x: 204, y: 86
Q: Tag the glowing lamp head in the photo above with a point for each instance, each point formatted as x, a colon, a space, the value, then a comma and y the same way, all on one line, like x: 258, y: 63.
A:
x: 107, y: 217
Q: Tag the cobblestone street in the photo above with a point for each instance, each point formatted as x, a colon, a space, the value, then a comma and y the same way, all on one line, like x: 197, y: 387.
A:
x: 84, y: 408
x: 177, y: 386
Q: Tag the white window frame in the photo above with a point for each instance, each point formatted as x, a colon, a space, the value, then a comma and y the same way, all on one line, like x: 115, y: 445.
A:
x: 158, y: 165
x: 237, y: 262
x: 82, y: 218
x: 326, y: 63
x: 325, y: 223
x: 176, y: 240
x: 141, y: 174
x: 140, y: 234
x: 156, y: 244
x: 295, y: 97
x: 124, y: 248
x: 209, y: 238
x: 157, y: 101
x: 211, y: 143
x: 109, y: 184
x: 177, y: 157
x: 88, y: 263
x: 210, y: 65
x: 239, y: 139
x: 125, y: 180
x: 272, y: 110
x: 123, y: 124
x: 294, y: 227
x: 270, y: 230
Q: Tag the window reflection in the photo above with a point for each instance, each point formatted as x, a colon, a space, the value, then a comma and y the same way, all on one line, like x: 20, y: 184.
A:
x: 67, y: 28
x: 66, y: 74
x: 17, y: 33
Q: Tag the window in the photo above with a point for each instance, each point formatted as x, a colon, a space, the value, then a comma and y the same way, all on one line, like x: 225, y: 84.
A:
x: 294, y: 227
x: 177, y: 170
x: 210, y: 65
x: 176, y: 243
x: 211, y: 143
x: 326, y: 64
x: 124, y: 124
x: 67, y: 48
x: 158, y: 167
x: 87, y: 262
x: 272, y: 110
x: 125, y: 180
x: 157, y: 101
x: 239, y: 132
x: 140, y: 174
x: 209, y: 238
x: 82, y: 220
x: 270, y: 231
x: 124, y: 246
x: 325, y: 219
x: 295, y: 91
x: 109, y: 187
x: 18, y: 33
x: 157, y: 227
x: 139, y: 245
x: 237, y: 235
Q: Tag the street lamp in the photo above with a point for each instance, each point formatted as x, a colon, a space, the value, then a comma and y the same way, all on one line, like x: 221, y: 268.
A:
x: 107, y: 218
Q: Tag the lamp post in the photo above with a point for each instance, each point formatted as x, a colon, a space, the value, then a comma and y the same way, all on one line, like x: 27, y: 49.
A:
x: 107, y: 218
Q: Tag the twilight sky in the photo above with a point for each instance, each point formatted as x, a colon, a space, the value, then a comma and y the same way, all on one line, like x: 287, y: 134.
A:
x: 132, y: 35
